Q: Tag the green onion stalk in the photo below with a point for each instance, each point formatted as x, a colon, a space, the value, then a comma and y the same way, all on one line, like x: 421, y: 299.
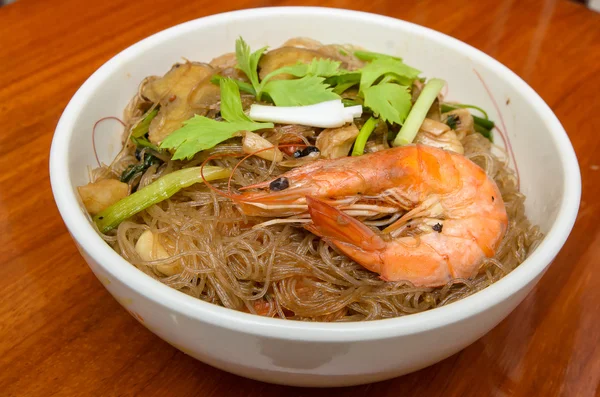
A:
x: 417, y: 114
x: 363, y: 136
x: 159, y: 190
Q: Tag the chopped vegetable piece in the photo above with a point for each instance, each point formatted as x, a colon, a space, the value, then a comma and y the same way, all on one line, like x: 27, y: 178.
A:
x: 139, y: 168
x: 487, y: 124
x: 343, y: 81
x: 363, y: 136
x: 465, y: 106
x: 451, y: 121
x: 329, y: 114
x: 142, y: 127
x: 159, y: 190
x: 308, y: 90
x: 380, y: 67
x: 485, y: 132
x: 371, y: 56
x: 415, y: 118
x: 391, y: 102
x: 351, y: 102
x: 143, y: 142
x: 318, y: 67
x: 242, y: 85
x: 231, y: 103
x: 248, y: 62
x: 201, y: 133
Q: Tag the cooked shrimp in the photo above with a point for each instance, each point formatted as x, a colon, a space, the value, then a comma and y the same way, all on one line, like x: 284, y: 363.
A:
x: 456, y: 217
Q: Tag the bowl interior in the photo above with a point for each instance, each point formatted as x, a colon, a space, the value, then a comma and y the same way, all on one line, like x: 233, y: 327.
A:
x: 543, y: 154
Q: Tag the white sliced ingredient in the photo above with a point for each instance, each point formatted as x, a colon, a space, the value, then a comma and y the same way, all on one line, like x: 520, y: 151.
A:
x: 330, y: 114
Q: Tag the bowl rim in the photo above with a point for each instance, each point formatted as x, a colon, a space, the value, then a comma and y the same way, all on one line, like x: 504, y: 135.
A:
x: 177, y: 302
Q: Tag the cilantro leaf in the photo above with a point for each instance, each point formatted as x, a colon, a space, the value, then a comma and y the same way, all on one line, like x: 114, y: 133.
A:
x: 248, y: 62
x: 231, y: 103
x: 201, y: 133
x: 318, y: 67
x: 305, y: 91
x: 380, y: 67
x: 242, y: 85
x: 391, y: 102
x: 343, y: 81
x: 371, y: 56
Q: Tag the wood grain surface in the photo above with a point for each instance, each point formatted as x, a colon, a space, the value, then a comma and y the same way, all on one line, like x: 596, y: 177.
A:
x: 61, y: 333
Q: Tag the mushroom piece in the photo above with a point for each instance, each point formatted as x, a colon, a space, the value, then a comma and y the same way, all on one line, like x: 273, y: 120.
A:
x: 463, y: 119
x: 440, y: 135
x: 183, y: 91
x: 336, y: 142
x: 255, y: 144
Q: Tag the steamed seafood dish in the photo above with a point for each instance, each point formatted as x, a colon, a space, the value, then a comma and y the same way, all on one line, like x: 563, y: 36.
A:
x: 316, y: 182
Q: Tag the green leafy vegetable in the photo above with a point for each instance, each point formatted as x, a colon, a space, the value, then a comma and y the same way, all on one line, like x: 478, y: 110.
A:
x: 159, y: 190
x: 391, y: 102
x: 201, y: 133
x: 231, y: 103
x: 318, y: 67
x: 351, y: 102
x: 141, y: 128
x: 363, y: 136
x: 136, y: 169
x: 485, y: 123
x: 144, y: 142
x: 308, y: 90
x: 371, y: 56
x: 465, y: 106
x: 485, y: 132
x: 305, y: 91
x: 451, y: 121
x: 343, y: 81
x: 242, y: 85
x: 401, y: 72
x: 419, y: 111
x: 248, y: 62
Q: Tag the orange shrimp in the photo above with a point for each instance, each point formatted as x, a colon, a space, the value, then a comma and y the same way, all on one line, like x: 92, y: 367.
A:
x: 456, y: 216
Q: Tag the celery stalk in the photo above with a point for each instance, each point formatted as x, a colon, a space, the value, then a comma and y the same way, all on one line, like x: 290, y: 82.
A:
x: 418, y: 112
x: 159, y: 190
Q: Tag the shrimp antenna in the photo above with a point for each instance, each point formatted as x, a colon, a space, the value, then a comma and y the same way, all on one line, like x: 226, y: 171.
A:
x: 94, y: 134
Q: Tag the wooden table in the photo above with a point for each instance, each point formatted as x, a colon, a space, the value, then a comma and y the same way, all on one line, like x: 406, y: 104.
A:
x: 61, y: 333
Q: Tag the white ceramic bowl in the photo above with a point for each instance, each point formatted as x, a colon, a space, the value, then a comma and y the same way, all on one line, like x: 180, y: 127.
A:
x: 318, y: 354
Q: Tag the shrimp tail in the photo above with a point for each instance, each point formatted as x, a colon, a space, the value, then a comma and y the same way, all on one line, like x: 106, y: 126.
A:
x: 346, y: 233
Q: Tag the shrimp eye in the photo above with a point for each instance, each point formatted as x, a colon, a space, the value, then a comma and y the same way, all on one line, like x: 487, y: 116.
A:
x: 437, y: 227
x: 279, y: 184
